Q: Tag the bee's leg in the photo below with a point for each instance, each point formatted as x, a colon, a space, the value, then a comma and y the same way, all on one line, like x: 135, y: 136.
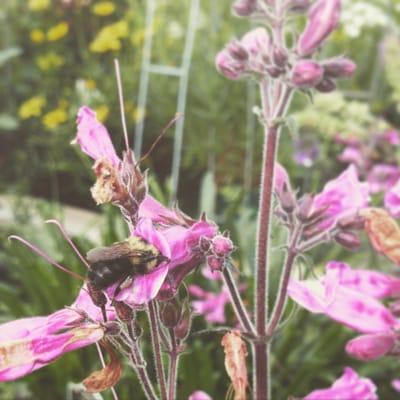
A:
x: 119, y: 286
x: 104, y: 313
x: 99, y: 299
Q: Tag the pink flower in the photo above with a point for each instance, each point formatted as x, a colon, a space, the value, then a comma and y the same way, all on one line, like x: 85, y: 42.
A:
x: 31, y: 343
x: 372, y: 346
x: 343, y: 196
x: 306, y: 74
x: 323, y: 19
x: 352, y: 155
x: 348, y: 386
x: 93, y: 137
x: 210, y: 305
x: 199, y: 395
x: 347, y: 306
x: 396, y: 385
x: 382, y: 177
x: 372, y: 283
x: 392, y: 200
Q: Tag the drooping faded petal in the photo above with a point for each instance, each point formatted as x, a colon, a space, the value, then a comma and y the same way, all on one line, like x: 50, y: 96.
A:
x: 93, y: 138
x: 235, y: 362
x: 372, y: 283
x: 370, y: 347
x: 343, y: 196
x: 346, y: 306
x: 348, y: 386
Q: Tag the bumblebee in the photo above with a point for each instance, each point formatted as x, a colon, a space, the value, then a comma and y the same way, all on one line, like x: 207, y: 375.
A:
x: 120, y: 261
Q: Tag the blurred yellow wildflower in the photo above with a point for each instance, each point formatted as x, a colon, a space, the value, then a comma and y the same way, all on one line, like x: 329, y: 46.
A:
x: 90, y: 84
x: 54, y: 118
x: 103, y: 8
x: 32, y: 107
x: 38, y: 5
x: 102, y: 112
x: 57, y: 32
x: 108, y: 38
x: 49, y: 61
x: 37, y: 36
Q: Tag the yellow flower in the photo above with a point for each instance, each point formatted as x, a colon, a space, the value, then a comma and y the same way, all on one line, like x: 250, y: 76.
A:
x: 103, y: 8
x: 57, y: 32
x: 49, y: 61
x: 38, y: 5
x: 90, y: 84
x: 32, y: 107
x: 54, y: 118
x: 102, y: 112
x: 108, y: 38
x: 37, y: 36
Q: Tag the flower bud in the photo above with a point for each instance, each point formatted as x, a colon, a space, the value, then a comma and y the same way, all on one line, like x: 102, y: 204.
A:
x: 257, y: 42
x: 307, y: 74
x: 351, y: 222
x: 228, y: 67
x: 349, y: 240
x: 279, y: 56
x: 183, y: 328
x: 370, y: 347
x: 170, y: 313
x: 244, y: 8
x: 287, y: 199
x: 274, y: 71
x: 323, y: 19
x: 339, y: 67
x: 124, y: 312
x: 237, y: 51
x: 215, y: 263
x: 305, y: 207
x: 222, y: 246
x: 326, y: 86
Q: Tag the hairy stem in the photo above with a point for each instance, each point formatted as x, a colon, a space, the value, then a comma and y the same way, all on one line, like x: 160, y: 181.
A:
x: 156, y: 344
x: 279, y: 306
x: 173, y: 366
x: 237, y: 303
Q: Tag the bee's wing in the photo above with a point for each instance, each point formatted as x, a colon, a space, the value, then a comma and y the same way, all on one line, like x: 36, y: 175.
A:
x: 113, y: 252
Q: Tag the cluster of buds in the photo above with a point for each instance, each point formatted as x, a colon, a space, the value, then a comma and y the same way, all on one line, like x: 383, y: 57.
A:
x: 258, y: 55
x: 216, y: 250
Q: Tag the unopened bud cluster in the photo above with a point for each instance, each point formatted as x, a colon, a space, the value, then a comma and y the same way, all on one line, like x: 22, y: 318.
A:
x: 177, y: 315
x: 258, y: 54
x: 217, y: 250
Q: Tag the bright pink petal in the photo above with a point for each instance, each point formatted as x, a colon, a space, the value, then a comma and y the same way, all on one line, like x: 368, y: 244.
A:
x: 199, y: 395
x: 93, y: 138
x: 348, y: 386
x: 392, y: 200
x: 151, y: 208
x: 370, y: 347
x: 372, y: 283
x: 396, y: 385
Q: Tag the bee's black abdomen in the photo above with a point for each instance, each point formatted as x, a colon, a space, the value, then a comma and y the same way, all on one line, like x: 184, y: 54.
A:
x: 104, y: 274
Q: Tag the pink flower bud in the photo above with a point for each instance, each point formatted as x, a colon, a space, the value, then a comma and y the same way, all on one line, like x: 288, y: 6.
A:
x: 280, y: 56
x: 370, y: 347
x: 222, y: 246
x: 257, y: 42
x: 237, y: 51
x: 349, y: 240
x: 299, y: 5
x: 339, y: 67
x: 274, y: 71
x: 215, y: 263
x: 244, y: 8
x: 307, y: 74
x: 323, y: 19
x: 228, y: 67
x: 326, y: 86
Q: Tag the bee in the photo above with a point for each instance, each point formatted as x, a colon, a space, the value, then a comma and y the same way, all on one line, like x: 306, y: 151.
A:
x: 115, y: 264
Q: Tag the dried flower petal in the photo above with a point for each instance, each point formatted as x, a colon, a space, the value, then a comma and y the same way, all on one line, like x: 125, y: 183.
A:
x: 235, y: 362
x: 383, y: 232
x: 104, y: 379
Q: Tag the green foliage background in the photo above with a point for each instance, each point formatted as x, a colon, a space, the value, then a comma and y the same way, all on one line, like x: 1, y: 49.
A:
x: 36, y: 159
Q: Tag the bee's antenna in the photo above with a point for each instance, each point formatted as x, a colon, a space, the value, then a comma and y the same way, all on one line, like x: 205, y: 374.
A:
x: 121, y: 102
x: 163, y: 132
x: 42, y: 254
x: 69, y: 240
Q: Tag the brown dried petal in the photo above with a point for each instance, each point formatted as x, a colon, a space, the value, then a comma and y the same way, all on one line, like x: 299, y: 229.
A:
x: 383, y: 232
x: 235, y: 362
x: 104, y: 379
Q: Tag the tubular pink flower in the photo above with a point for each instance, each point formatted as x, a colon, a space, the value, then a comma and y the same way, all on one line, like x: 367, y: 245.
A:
x: 372, y: 283
x: 210, y: 305
x: 352, y: 308
x: 343, y: 196
x: 306, y: 74
x: 31, y: 343
x: 93, y: 137
x: 392, y: 200
x: 372, y: 346
x: 348, y: 386
x: 323, y: 18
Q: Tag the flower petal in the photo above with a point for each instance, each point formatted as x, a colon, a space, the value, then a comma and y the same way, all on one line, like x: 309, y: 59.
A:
x: 370, y: 347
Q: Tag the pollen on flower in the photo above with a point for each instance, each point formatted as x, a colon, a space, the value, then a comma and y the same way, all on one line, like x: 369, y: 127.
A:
x: 57, y: 32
